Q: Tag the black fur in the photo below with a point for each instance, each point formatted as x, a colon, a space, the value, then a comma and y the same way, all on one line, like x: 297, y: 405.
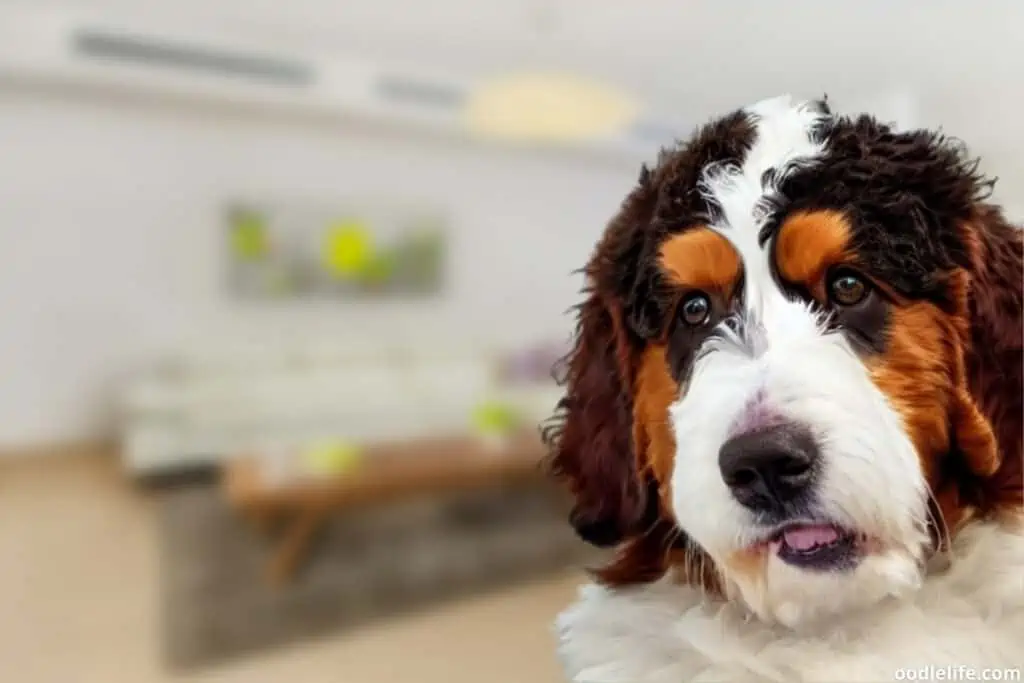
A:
x: 905, y: 194
x: 673, y: 203
x: 684, y: 340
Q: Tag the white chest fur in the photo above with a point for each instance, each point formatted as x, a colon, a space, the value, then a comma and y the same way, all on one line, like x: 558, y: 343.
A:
x: 968, y: 618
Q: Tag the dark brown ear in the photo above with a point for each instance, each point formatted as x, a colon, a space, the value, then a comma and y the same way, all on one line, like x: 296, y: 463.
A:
x: 591, y: 436
x: 994, y: 359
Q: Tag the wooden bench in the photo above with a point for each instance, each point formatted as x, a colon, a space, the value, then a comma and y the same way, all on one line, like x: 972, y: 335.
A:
x: 296, y: 508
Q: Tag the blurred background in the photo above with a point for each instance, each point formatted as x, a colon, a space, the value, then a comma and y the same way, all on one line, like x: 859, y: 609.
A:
x: 282, y: 285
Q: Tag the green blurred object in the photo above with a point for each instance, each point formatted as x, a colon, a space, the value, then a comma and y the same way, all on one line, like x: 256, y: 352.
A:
x: 379, y: 269
x: 493, y: 417
x: 249, y: 236
x: 357, y: 251
x: 419, y: 256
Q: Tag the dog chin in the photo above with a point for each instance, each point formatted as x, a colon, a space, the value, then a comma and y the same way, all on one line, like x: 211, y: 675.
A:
x: 797, y: 595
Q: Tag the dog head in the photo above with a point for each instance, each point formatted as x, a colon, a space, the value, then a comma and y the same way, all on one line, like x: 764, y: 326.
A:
x: 797, y: 368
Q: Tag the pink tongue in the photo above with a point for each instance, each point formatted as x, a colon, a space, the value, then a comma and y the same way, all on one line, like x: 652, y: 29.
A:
x: 807, y: 537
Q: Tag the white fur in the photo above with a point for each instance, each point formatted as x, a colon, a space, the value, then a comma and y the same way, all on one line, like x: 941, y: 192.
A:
x: 783, y: 142
x: 969, y: 618
x: 783, y: 360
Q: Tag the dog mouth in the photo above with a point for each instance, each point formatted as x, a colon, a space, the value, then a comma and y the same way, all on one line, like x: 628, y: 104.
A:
x: 817, y: 547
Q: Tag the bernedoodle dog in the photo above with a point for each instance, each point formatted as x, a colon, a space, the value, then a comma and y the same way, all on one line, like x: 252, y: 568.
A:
x: 793, y: 406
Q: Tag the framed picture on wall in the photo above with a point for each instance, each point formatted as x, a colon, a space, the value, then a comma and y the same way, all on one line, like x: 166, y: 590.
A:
x: 284, y: 250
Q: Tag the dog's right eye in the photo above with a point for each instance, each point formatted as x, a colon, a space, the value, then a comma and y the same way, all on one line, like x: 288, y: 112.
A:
x: 695, y: 309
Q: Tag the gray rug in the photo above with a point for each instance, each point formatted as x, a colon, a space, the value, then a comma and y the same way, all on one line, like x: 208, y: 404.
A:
x: 217, y: 603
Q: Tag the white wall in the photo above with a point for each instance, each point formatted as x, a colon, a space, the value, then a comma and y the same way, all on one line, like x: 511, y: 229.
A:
x: 110, y: 225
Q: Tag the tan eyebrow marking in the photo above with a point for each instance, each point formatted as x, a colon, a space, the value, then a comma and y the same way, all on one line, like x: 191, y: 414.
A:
x: 808, y: 243
x: 700, y: 259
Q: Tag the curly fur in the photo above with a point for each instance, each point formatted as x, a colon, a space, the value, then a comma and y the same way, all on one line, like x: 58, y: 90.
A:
x: 994, y: 366
x: 916, y: 206
x: 907, y: 193
x: 593, y: 443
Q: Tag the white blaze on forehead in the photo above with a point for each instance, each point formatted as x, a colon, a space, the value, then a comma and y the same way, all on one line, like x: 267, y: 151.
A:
x: 784, y: 139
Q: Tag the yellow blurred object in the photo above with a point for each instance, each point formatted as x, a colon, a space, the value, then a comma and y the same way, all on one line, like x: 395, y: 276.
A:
x: 332, y: 457
x: 249, y: 237
x: 548, y: 108
x: 349, y: 249
x: 493, y: 417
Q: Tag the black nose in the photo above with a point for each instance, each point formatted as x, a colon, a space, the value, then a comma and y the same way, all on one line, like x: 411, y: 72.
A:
x: 768, y: 468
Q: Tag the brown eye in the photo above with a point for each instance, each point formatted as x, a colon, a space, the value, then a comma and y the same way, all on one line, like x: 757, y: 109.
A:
x: 695, y: 310
x: 848, y: 289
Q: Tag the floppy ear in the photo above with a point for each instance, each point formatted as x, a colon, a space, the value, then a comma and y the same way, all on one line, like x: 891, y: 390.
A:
x: 994, y: 359
x: 591, y: 439
x: 591, y: 434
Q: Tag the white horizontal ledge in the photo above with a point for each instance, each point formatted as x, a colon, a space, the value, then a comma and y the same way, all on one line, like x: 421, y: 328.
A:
x: 60, y: 48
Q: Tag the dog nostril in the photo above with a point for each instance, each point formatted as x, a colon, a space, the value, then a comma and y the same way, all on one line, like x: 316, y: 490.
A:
x: 743, y: 477
x: 791, y: 466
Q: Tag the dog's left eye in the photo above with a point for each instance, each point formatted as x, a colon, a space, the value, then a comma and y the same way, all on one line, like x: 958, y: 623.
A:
x: 847, y: 289
x: 695, y: 310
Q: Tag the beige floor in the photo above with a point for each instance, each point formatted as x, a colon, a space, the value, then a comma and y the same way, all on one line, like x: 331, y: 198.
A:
x: 78, y: 602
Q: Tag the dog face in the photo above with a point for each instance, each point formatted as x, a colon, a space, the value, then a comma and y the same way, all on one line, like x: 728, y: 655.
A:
x: 798, y: 368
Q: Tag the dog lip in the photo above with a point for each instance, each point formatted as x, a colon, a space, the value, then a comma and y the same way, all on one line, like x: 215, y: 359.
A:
x: 840, y: 554
x: 839, y: 548
x: 773, y: 535
x: 805, y: 538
